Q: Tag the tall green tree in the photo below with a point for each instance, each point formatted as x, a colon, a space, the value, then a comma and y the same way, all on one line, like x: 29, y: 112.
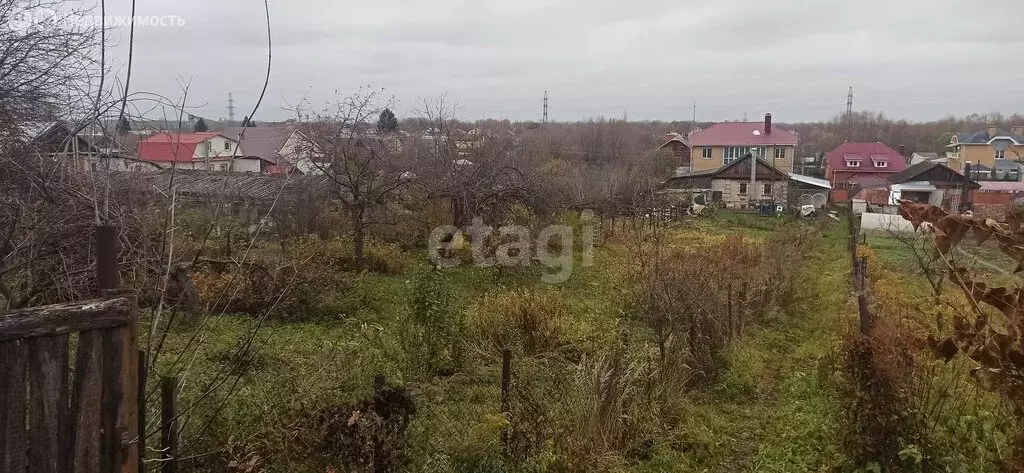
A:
x: 387, y: 122
x: 248, y: 123
x: 200, y: 126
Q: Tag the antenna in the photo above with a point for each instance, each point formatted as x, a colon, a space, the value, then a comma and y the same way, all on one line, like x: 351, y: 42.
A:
x: 231, y: 107
x: 694, y: 112
x: 545, y: 118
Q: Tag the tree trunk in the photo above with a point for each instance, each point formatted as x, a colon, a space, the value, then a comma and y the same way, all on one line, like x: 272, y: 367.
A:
x: 359, y: 235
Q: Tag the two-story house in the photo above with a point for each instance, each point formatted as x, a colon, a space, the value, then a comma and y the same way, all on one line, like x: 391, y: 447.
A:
x: 990, y: 148
x: 865, y: 164
x: 723, y: 143
x: 209, y: 151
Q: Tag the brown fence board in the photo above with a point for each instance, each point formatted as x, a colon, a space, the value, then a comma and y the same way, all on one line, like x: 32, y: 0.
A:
x: 13, y: 439
x: 110, y: 404
x: 83, y: 438
x: 61, y: 319
x: 47, y: 384
x: 128, y: 413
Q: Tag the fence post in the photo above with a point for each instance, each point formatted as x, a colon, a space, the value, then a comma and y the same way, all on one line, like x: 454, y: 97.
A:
x: 169, y: 424
x: 728, y: 297
x: 107, y: 278
x: 379, y: 465
x: 140, y: 398
x: 862, y: 296
x: 506, y: 379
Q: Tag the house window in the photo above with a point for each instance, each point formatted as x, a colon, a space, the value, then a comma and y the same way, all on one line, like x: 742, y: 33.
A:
x: 743, y: 188
x: 227, y: 146
x: 767, y: 188
x: 852, y: 164
x: 733, y: 153
x: 705, y: 153
x: 1000, y: 154
x: 780, y: 153
x: 881, y: 164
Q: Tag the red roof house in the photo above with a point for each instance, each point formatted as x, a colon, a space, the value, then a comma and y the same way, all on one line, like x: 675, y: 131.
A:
x: 866, y: 164
x: 205, y: 150
x: 168, y: 147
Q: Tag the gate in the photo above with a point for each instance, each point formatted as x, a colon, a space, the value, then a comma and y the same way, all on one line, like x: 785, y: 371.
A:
x: 64, y: 413
x: 70, y: 381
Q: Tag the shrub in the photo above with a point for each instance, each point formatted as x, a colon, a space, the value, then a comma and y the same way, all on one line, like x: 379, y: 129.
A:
x: 531, y: 321
x: 432, y: 333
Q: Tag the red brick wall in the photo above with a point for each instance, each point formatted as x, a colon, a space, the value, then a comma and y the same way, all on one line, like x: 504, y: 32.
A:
x: 994, y: 211
x: 992, y: 198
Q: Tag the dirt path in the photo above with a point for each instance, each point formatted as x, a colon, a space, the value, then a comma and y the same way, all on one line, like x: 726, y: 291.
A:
x: 774, y: 409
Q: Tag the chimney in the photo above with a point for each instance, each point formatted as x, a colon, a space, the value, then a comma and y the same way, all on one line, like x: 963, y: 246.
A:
x: 992, y: 131
x: 767, y: 123
x: 903, y: 151
x: 1017, y: 130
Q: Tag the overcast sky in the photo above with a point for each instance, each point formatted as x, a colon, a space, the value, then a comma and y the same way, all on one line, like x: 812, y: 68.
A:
x: 913, y: 59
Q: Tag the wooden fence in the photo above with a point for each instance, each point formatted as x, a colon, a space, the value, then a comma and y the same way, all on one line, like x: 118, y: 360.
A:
x: 64, y: 413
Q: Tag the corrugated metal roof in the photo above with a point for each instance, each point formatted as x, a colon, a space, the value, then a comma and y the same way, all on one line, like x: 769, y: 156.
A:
x: 810, y: 180
x: 741, y: 134
x: 1001, y: 186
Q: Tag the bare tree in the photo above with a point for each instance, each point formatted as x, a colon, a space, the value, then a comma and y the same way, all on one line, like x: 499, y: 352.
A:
x: 45, y: 64
x: 367, y: 169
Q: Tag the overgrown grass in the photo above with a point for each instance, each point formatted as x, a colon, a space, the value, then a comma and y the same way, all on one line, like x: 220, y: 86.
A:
x: 770, y: 410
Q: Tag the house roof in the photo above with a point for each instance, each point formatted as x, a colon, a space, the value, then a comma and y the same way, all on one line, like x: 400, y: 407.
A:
x: 1001, y: 186
x: 262, y: 142
x: 741, y: 134
x: 983, y: 137
x: 721, y: 171
x: 862, y: 151
x: 810, y: 180
x: 676, y: 138
x: 237, y: 186
x: 171, y: 147
x: 913, y: 173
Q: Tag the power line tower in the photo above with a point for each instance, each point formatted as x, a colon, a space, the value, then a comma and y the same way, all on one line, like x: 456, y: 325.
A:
x: 231, y: 107
x: 545, y: 117
x: 849, y: 102
x: 849, y: 114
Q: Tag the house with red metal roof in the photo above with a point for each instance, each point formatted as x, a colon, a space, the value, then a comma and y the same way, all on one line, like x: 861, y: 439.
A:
x: 724, y: 143
x: 211, y: 151
x: 860, y: 164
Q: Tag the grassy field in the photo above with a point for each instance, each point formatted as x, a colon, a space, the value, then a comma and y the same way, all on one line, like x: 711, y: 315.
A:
x: 772, y: 407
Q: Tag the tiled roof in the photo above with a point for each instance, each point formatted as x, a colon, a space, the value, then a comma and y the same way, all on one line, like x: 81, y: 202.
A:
x: 836, y: 159
x: 742, y: 134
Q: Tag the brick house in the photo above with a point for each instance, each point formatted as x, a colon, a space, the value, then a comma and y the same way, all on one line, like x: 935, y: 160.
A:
x: 860, y: 164
x: 724, y: 143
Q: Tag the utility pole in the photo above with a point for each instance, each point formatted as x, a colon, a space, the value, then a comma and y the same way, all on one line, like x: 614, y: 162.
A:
x: 849, y: 115
x: 231, y: 107
x: 694, y: 112
x: 544, y: 120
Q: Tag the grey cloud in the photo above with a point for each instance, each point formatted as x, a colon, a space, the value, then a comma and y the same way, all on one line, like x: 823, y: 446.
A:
x: 917, y: 59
